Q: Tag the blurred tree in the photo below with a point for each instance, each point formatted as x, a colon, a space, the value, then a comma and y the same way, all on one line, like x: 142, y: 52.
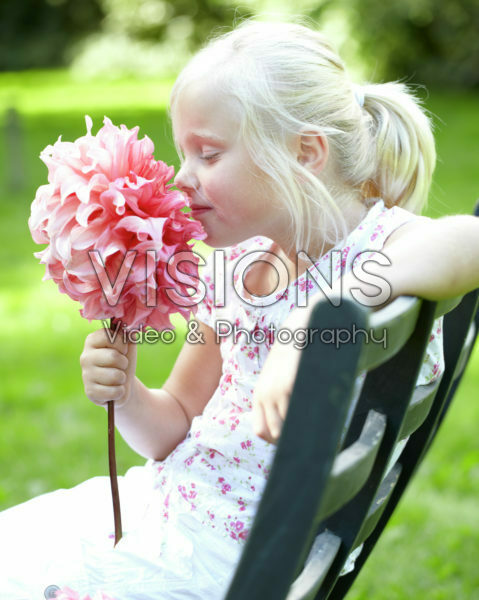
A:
x: 428, y: 41
x: 35, y: 33
x: 149, y: 20
x: 149, y: 37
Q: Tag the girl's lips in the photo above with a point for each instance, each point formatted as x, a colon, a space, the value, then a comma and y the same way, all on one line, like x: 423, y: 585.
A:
x: 198, y: 210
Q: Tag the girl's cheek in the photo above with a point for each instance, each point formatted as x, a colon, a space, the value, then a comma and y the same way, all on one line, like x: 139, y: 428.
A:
x: 213, y: 186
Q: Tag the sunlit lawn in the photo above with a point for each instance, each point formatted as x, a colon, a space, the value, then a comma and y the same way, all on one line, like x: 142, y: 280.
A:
x: 51, y: 436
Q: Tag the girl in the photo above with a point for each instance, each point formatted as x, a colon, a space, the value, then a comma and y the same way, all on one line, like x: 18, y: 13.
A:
x: 284, y: 161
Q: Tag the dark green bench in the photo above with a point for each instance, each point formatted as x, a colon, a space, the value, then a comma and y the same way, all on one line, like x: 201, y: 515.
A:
x: 327, y: 493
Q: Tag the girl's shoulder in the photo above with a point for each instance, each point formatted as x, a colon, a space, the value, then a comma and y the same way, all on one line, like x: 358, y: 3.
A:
x: 379, y: 223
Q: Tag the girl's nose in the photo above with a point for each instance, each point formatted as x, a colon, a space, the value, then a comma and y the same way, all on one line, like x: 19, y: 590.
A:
x: 185, y: 180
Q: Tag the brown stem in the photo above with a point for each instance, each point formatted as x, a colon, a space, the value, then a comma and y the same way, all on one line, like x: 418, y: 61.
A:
x: 112, y: 465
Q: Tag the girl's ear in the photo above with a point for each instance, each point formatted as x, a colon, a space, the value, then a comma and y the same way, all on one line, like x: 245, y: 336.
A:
x: 312, y: 150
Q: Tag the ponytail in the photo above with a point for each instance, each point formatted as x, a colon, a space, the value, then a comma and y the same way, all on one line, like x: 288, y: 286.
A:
x: 405, y: 154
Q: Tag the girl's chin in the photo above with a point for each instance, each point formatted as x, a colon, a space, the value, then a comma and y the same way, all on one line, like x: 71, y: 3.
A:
x: 221, y: 242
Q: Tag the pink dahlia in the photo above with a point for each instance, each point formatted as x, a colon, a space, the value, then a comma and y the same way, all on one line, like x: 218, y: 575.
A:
x: 112, y: 222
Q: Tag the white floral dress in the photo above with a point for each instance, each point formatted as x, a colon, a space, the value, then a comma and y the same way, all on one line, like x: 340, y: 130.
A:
x: 186, y: 518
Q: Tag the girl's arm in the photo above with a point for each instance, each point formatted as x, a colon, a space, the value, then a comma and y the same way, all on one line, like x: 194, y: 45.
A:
x: 152, y: 421
x: 432, y: 259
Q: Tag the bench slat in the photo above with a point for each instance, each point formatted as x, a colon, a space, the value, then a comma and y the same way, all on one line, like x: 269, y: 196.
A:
x: 320, y: 559
x: 379, y: 504
x: 352, y: 466
x: 445, y: 306
x: 419, y: 407
x: 465, y: 352
x: 399, y: 319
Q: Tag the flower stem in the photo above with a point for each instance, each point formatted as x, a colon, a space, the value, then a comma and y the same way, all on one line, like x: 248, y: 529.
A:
x: 112, y: 465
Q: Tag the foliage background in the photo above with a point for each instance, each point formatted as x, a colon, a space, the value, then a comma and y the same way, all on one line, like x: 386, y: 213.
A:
x: 433, y: 42
x: 51, y: 436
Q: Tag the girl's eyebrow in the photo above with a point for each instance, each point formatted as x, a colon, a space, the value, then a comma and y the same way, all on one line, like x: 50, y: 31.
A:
x: 206, y: 135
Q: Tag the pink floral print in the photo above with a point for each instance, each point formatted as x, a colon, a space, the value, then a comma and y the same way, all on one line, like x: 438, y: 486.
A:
x: 217, y: 474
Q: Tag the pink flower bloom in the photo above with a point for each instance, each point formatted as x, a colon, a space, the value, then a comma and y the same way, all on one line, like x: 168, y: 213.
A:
x: 107, y: 194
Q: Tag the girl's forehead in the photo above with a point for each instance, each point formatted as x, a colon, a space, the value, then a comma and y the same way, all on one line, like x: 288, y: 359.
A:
x: 201, y: 109
x: 202, y: 96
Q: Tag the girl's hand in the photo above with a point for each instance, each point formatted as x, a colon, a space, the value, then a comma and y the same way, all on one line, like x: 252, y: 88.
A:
x: 108, y: 369
x: 275, y: 382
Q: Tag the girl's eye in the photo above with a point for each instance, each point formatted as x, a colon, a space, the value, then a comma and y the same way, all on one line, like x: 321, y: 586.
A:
x: 209, y: 157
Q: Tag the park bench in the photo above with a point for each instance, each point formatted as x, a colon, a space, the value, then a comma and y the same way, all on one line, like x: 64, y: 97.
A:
x: 328, y: 492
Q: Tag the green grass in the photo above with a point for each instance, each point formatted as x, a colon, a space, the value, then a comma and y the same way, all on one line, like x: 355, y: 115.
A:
x: 51, y: 436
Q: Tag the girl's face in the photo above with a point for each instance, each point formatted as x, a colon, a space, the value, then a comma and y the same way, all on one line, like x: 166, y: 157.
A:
x: 226, y: 189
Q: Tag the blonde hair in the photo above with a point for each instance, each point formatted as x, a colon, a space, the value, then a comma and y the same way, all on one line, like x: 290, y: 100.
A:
x: 287, y: 79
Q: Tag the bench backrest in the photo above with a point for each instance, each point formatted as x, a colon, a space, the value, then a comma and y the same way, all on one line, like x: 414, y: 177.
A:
x: 329, y: 489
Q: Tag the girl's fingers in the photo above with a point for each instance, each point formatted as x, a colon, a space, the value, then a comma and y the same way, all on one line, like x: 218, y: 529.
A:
x: 101, y: 394
x: 256, y: 416
x: 101, y: 338
x: 106, y: 376
x: 111, y: 358
x: 283, y: 403
x: 103, y: 357
x: 267, y: 423
x: 274, y: 422
x: 259, y: 423
x: 108, y: 368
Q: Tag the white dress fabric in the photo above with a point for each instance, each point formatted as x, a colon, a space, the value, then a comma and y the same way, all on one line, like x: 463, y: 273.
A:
x: 186, y: 518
